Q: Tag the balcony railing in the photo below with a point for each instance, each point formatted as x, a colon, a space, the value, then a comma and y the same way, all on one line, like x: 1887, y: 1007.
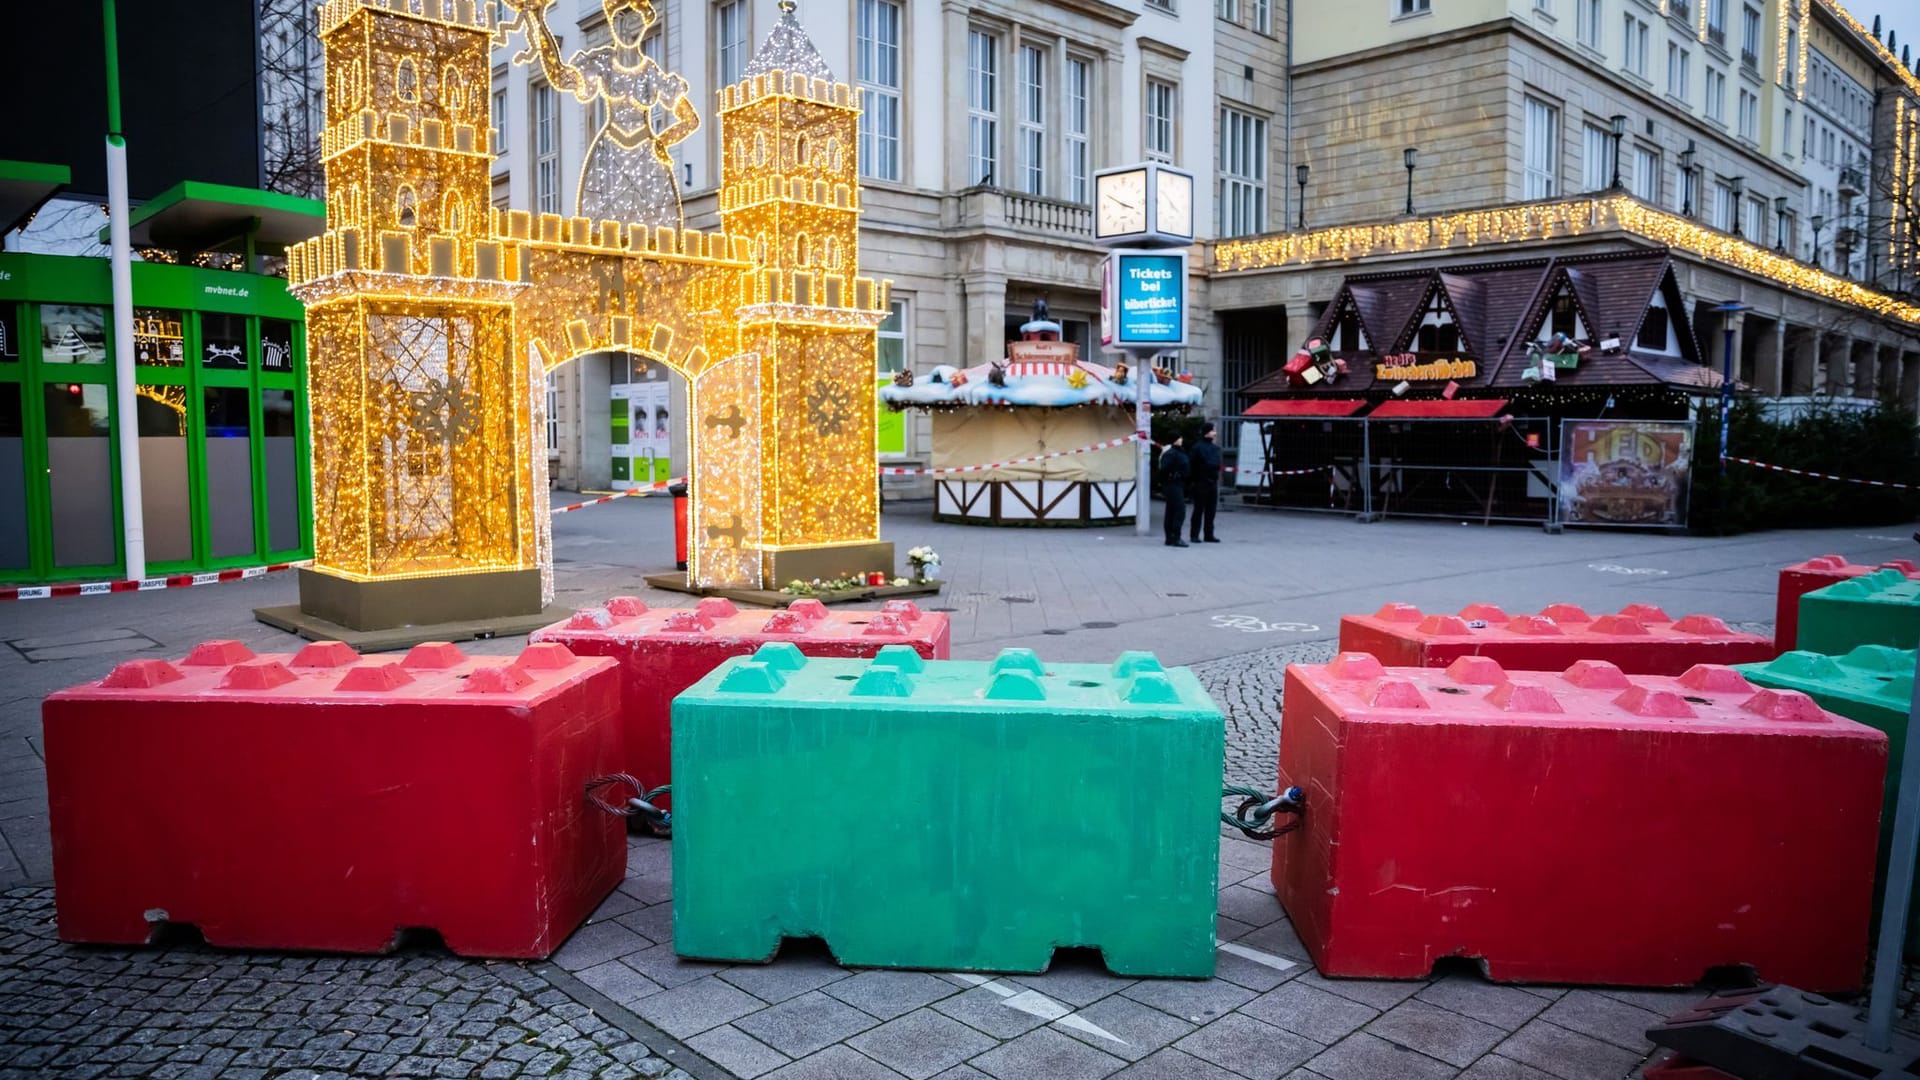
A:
x: 1677, y: 9
x: 1748, y: 60
x: 1717, y: 35
x: 1049, y: 215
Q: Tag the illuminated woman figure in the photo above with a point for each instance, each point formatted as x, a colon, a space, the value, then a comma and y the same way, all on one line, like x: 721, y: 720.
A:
x: 628, y: 175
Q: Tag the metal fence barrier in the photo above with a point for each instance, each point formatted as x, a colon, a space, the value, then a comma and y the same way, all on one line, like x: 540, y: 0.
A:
x: 1503, y: 469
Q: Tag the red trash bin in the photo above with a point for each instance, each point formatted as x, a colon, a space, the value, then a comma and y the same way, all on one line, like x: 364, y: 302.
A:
x: 679, y: 493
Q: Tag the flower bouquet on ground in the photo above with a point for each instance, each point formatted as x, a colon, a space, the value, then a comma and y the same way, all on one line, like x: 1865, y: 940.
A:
x: 925, y: 562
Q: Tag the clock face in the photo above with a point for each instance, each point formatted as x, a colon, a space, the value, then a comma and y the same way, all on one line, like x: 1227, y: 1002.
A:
x: 1173, y: 203
x: 1122, y: 204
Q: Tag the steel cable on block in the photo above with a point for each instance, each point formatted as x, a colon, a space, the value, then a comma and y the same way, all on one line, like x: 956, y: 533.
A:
x: 641, y: 804
x: 1257, y: 809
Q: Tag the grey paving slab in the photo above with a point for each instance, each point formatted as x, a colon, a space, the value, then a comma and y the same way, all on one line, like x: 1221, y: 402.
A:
x: 1194, y: 1002
x: 1310, y: 1011
x: 1277, y: 938
x: 661, y: 964
x: 1225, y: 929
x: 1435, y: 1032
x: 1495, y: 1067
x: 1125, y: 1027
x: 1566, y: 1054
x: 981, y: 1008
x: 1249, y: 906
x: 1604, y: 1017
x: 1076, y: 980
x: 597, y: 943
x: 696, y: 1007
x: 787, y: 977
x: 654, y: 923
x: 1662, y: 1003
x: 800, y: 1026
x: 887, y: 994
x: 1379, y: 993
x: 962, y: 1072
x: 619, y: 982
x: 1171, y: 1064
x: 1249, y: 1047
x: 737, y: 1052
x: 1361, y: 1056
x: 1470, y: 995
x: 835, y: 1063
x: 1046, y: 1053
x: 922, y: 1043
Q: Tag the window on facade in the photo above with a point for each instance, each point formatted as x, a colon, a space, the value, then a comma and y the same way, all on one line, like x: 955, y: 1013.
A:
x: 730, y: 40
x: 1079, y: 108
x: 1724, y: 206
x: 1543, y: 5
x: 890, y: 340
x: 1161, y: 103
x: 1227, y: 9
x: 1347, y: 332
x: 1749, y: 116
x: 1757, y: 219
x: 1542, y: 146
x: 1163, y: 5
x: 1243, y: 173
x: 1564, y: 318
x: 500, y: 145
x: 1438, y: 333
x: 1716, y: 96
x: 1263, y: 16
x: 1717, y: 21
x: 1679, y: 80
x: 1587, y: 23
x: 1596, y: 157
x: 1645, y: 184
x: 1033, y: 120
x: 1787, y: 127
x: 1792, y: 72
x: 983, y: 108
x: 1635, y: 59
x: 1653, y: 331
x: 1412, y: 7
x: 1750, y: 38
x: 546, y: 151
x: 877, y: 72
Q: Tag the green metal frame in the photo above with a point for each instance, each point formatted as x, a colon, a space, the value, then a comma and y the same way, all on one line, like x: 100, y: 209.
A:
x: 33, y: 280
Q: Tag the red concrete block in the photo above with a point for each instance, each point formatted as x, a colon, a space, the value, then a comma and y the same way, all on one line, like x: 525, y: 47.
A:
x: 1817, y: 573
x: 1641, y: 639
x: 663, y: 651
x: 325, y: 801
x: 1581, y: 827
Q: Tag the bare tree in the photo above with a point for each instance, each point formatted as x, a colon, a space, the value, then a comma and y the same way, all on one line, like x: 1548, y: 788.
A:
x: 290, y: 98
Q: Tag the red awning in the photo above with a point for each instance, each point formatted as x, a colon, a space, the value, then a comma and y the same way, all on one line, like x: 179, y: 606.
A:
x: 1458, y: 409
x: 1307, y: 407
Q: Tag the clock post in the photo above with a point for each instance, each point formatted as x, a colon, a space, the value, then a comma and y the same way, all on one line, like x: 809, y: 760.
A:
x: 1143, y: 216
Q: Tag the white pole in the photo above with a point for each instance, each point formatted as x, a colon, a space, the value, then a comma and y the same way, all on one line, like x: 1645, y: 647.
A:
x: 124, y: 409
x: 1143, y: 423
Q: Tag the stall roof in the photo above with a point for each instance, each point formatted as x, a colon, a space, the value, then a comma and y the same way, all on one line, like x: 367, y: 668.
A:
x: 24, y: 185
x: 194, y: 216
x: 1457, y: 409
x: 1306, y: 407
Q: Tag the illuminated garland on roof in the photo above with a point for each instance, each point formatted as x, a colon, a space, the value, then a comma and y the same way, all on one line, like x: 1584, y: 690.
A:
x: 1545, y: 221
x: 1885, y: 54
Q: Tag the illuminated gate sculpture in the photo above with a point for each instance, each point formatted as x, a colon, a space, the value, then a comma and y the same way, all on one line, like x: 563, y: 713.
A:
x: 433, y: 317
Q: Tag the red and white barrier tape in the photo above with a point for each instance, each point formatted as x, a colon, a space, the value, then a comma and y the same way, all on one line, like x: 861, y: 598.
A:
x: 169, y: 581
x: 1278, y: 472
x: 657, y: 489
x: 1818, y: 475
x: 946, y: 469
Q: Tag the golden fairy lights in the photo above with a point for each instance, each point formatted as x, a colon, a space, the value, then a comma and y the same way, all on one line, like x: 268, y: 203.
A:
x: 1911, y: 80
x: 1540, y: 221
x: 433, y: 317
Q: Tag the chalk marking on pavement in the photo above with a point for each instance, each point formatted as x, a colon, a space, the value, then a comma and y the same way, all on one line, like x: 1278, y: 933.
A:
x: 1264, y: 959
x: 1613, y: 568
x: 1035, y: 1003
x: 1876, y: 536
x: 1248, y: 624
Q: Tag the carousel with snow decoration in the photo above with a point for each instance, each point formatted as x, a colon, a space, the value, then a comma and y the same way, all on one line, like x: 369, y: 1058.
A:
x: 1041, y: 400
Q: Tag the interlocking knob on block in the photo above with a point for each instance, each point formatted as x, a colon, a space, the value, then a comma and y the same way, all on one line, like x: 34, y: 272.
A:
x: 662, y: 651
x: 327, y: 801
x: 1817, y: 573
x: 1873, y: 684
x: 949, y: 815
x: 1583, y: 827
x: 1641, y: 638
x: 1879, y: 608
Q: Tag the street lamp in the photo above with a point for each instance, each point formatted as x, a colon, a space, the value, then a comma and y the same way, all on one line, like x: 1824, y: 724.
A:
x: 1819, y: 222
x: 1619, y: 133
x: 1411, y: 155
x: 1780, y: 224
x: 1300, y: 174
x: 1686, y: 179
x: 1736, y: 193
x: 1727, y: 313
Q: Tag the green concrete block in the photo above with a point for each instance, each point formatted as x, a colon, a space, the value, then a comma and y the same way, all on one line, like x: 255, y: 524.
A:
x: 1881, y: 608
x: 950, y: 815
x: 1873, y: 684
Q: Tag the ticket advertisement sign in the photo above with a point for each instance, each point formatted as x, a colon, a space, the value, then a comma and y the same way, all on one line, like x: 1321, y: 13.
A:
x: 1625, y: 472
x: 1143, y: 300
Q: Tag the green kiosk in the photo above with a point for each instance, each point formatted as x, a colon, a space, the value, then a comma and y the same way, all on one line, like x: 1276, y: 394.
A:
x: 220, y: 405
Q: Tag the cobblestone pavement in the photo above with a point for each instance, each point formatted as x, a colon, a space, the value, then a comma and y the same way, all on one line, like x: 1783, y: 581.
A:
x: 192, y: 1013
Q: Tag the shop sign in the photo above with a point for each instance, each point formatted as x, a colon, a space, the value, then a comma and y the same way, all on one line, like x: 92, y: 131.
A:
x: 1043, y: 352
x: 1406, y: 367
x: 1143, y: 300
x: 1625, y: 472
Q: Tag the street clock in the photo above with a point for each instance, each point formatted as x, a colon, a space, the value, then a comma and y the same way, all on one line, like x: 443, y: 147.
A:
x: 1144, y: 204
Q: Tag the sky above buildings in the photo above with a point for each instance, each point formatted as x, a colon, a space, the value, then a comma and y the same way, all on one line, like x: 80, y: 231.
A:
x: 1900, y: 16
